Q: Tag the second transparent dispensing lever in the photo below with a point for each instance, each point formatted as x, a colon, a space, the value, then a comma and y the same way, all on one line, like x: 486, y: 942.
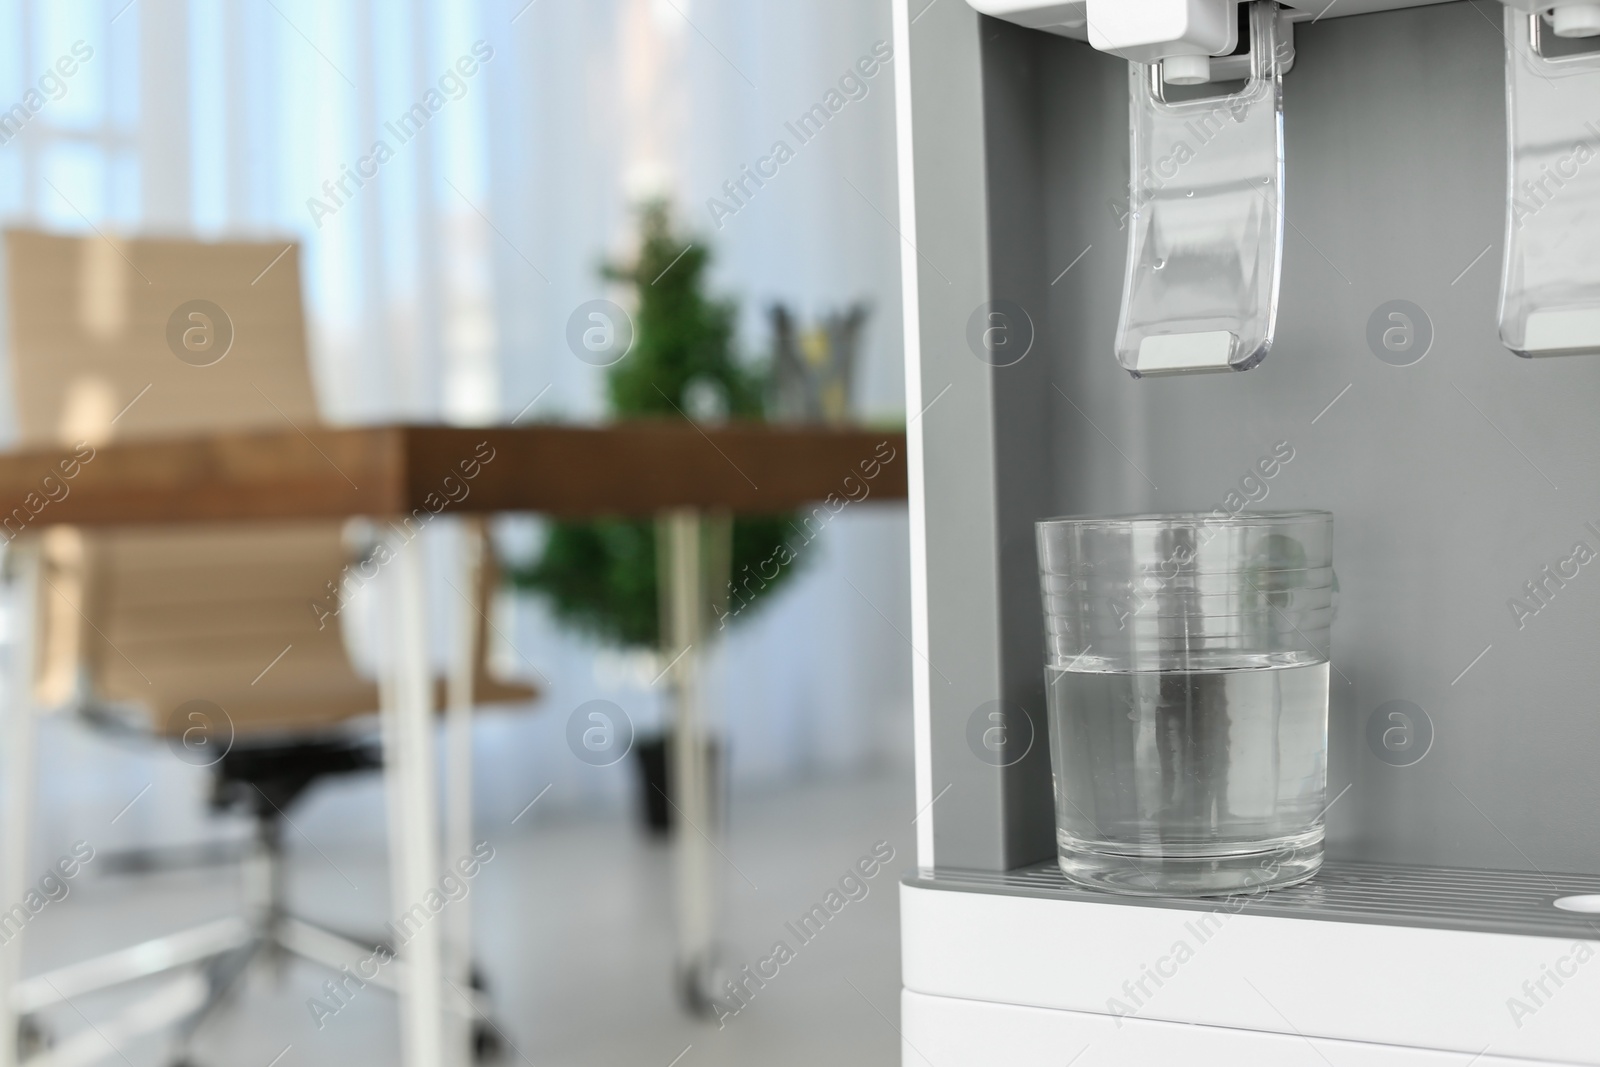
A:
x: 1550, y: 289
x: 1205, y: 243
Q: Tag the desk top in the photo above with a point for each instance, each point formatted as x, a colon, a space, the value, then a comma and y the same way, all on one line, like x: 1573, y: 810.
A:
x: 633, y: 468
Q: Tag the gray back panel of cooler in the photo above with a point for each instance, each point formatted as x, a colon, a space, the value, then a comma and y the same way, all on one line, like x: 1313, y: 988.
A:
x: 1454, y: 481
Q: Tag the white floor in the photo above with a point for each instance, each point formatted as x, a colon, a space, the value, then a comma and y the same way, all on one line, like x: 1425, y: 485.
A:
x: 574, y: 935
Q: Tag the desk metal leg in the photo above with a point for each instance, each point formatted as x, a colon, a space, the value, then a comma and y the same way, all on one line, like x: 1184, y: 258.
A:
x: 693, y: 791
x: 18, y: 735
x: 458, y: 788
x: 413, y: 811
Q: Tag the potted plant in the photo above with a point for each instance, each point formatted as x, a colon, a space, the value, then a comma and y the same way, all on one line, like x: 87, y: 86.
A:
x: 602, y: 576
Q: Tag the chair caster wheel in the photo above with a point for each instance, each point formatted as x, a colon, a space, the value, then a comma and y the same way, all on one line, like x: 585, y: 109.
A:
x: 698, y: 981
x: 32, y: 1038
x: 487, y: 1046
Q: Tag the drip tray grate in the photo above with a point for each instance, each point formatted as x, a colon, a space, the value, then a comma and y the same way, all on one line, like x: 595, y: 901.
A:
x: 1382, y: 894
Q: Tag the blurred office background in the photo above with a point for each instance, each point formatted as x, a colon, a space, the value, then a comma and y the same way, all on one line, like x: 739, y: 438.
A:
x: 440, y: 290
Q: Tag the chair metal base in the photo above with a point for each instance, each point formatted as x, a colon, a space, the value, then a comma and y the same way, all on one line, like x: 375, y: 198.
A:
x: 207, y: 964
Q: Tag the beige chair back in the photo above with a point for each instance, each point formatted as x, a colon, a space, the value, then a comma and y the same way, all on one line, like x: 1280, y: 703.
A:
x: 163, y: 616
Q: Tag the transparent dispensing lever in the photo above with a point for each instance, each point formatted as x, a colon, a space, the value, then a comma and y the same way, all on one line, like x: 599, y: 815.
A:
x: 1205, y: 242
x: 1550, y: 288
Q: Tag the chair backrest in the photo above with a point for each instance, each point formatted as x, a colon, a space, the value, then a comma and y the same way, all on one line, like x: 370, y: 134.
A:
x: 115, y: 337
x: 118, y: 338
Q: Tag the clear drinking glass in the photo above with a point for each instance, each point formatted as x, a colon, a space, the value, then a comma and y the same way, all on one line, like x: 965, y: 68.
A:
x: 1187, y: 681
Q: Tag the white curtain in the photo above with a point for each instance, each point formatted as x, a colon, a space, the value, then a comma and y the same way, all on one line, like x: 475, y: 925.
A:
x: 440, y: 269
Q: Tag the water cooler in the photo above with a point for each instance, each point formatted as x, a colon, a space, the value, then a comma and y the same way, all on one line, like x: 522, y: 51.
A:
x: 1202, y: 255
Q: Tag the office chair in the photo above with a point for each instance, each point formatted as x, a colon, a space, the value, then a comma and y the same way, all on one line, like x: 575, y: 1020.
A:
x: 170, y: 631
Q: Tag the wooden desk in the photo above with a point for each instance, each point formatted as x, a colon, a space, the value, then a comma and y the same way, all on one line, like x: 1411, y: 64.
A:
x: 394, y: 472
x: 629, y: 469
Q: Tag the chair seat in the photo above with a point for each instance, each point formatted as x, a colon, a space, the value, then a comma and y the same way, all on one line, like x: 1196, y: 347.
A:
x: 267, y: 778
x: 218, y: 614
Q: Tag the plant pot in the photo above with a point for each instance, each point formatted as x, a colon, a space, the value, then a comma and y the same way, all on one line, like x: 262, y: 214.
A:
x: 652, y: 759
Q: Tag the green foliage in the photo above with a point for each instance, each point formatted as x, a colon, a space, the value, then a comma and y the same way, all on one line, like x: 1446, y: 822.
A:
x: 600, y: 578
x: 600, y: 575
x: 680, y: 335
